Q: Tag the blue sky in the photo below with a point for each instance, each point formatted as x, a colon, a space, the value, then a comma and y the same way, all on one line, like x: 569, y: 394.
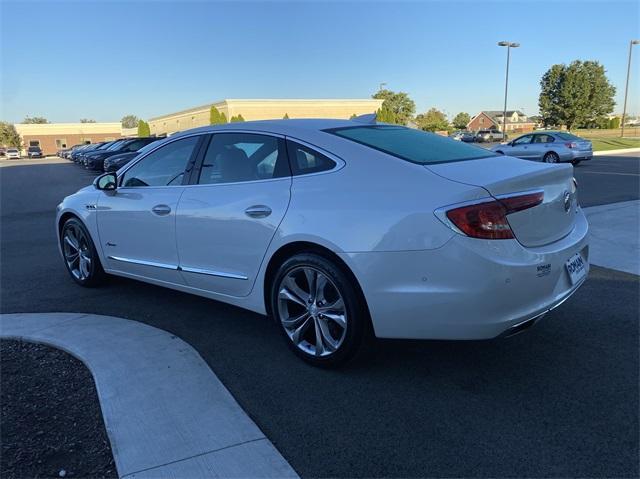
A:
x: 102, y: 60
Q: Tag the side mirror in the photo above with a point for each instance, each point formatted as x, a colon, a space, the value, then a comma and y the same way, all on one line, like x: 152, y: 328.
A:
x: 106, y: 182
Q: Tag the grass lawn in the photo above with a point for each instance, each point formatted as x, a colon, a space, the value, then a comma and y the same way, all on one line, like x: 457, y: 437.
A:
x: 603, y: 144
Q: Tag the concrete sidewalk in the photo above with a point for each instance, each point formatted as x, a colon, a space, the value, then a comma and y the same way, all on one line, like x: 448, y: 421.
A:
x: 166, y: 412
x: 617, y: 152
x: 615, y: 232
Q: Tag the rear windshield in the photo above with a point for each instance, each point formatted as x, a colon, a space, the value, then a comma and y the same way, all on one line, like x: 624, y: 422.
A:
x: 568, y: 136
x: 34, y: 148
x: 415, y: 146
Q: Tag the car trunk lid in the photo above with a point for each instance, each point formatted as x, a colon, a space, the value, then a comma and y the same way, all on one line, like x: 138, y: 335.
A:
x: 503, y: 176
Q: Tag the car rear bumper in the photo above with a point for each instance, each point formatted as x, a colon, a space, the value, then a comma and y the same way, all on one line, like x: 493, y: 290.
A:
x: 468, y: 288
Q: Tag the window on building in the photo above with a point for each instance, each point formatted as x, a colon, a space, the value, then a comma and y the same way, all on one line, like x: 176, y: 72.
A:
x: 61, y: 143
x: 482, y: 120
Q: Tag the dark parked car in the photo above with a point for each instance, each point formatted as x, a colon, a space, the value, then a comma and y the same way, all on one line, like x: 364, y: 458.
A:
x: 35, y: 152
x: 115, y: 162
x: 75, y: 151
x: 81, y: 157
x: 95, y: 160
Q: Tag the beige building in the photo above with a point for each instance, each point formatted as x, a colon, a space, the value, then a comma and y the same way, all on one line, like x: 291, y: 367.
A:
x: 262, y: 110
x: 52, y: 137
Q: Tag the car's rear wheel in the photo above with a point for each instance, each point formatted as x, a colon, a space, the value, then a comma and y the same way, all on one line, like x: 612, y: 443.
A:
x: 80, y: 256
x: 322, y: 315
x: 551, y: 157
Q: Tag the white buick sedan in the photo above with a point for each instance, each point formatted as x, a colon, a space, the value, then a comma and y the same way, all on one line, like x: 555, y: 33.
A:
x: 337, y: 229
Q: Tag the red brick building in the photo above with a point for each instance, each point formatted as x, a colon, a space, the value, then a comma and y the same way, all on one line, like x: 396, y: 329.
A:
x: 517, y: 122
x: 52, y: 137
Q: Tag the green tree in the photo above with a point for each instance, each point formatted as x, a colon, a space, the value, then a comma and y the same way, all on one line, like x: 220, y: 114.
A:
x: 385, y: 115
x: 143, y: 129
x: 614, y: 123
x: 433, y: 120
x: 461, y: 120
x: 86, y: 120
x: 286, y: 116
x: 355, y: 116
x: 216, y: 118
x: 35, y: 119
x: 9, y: 135
x: 399, y: 103
x: 235, y: 119
x: 575, y: 95
x: 129, y: 121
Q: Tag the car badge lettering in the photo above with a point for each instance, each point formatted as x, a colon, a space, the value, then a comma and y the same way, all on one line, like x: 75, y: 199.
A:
x: 567, y: 201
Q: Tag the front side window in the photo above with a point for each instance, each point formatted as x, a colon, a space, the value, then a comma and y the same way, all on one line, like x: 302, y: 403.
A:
x: 415, y: 146
x: 163, y: 167
x: 236, y: 157
x: 523, y: 140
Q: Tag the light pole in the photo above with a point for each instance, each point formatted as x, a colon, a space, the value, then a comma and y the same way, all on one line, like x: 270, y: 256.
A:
x: 626, y: 88
x: 509, y: 46
x: 382, y: 85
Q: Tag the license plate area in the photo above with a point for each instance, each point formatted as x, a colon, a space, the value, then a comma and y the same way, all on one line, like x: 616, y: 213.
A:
x: 576, y: 268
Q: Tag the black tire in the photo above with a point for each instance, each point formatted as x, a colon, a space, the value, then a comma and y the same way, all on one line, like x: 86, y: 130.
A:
x: 551, y: 157
x: 356, y: 316
x: 92, y: 274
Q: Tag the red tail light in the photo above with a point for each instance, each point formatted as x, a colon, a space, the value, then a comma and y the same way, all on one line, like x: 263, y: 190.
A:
x: 571, y: 145
x: 488, y: 220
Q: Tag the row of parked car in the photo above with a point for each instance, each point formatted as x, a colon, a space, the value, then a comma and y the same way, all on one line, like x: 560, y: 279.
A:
x: 106, y: 156
x: 481, y: 136
x: 13, y: 153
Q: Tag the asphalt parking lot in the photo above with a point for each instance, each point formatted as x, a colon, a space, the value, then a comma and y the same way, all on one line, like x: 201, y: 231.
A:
x: 559, y: 400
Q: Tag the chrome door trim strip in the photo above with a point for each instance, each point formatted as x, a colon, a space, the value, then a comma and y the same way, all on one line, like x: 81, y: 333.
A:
x: 144, y: 263
x: 209, y: 272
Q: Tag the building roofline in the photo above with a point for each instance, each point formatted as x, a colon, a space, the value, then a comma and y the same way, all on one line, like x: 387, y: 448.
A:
x: 263, y: 100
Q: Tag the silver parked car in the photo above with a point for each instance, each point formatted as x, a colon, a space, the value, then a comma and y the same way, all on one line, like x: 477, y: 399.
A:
x: 550, y: 147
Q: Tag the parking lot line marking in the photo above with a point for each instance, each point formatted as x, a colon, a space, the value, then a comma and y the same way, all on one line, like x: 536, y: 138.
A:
x: 610, y: 173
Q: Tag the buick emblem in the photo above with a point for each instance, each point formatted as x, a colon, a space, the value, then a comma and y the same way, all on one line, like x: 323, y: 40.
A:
x: 567, y: 201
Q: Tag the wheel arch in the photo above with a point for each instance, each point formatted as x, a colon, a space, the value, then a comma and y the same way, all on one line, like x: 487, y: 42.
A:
x: 296, y: 247
x: 63, y: 219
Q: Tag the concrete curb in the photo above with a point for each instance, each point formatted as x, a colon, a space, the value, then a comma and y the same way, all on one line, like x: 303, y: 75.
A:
x: 166, y: 412
x: 614, y: 235
x: 615, y: 152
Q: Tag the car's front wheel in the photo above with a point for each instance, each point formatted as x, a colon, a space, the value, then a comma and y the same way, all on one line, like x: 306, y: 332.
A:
x: 320, y: 311
x: 80, y: 256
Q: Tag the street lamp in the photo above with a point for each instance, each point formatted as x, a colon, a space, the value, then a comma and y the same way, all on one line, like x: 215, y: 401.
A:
x: 626, y: 88
x: 509, y: 46
x: 382, y: 85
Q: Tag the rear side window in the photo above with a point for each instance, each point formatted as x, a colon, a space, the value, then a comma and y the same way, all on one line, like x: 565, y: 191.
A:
x: 415, y: 146
x: 304, y: 160
x: 238, y: 157
x: 568, y: 136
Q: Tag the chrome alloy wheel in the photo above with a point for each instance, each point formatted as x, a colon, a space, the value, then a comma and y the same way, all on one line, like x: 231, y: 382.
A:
x: 77, y: 252
x: 312, y: 311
